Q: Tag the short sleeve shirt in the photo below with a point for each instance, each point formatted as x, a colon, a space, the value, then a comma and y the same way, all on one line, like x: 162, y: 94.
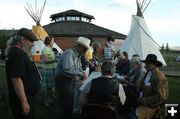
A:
x: 19, y: 65
x: 48, y: 51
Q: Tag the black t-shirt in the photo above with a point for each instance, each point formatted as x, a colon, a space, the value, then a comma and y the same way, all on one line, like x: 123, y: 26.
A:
x: 18, y: 64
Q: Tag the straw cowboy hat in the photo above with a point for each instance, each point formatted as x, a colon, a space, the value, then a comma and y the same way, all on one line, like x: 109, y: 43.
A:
x: 153, y: 59
x: 83, y: 41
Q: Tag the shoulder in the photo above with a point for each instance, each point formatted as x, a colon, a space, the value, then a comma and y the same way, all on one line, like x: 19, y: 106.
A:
x: 68, y: 52
x: 46, y: 50
x: 157, y: 74
x: 16, y: 52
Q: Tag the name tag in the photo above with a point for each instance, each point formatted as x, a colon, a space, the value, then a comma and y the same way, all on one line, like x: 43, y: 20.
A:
x: 147, y: 84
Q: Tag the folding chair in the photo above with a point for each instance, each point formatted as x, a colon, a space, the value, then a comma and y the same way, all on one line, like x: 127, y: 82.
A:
x: 98, y: 111
x: 2, y: 95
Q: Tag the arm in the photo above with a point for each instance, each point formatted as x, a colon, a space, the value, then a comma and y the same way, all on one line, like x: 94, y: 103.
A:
x: 160, y: 90
x: 19, y: 89
x: 69, y: 66
x: 121, y: 94
x: 47, y: 61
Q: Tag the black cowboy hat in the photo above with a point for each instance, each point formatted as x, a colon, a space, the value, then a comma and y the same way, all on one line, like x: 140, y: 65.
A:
x: 153, y: 59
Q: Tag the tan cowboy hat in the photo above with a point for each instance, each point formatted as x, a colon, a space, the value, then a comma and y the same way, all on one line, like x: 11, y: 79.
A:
x: 83, y: 41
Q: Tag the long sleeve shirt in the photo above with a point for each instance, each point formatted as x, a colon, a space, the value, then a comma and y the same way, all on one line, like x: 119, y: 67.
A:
x: 69, y: 64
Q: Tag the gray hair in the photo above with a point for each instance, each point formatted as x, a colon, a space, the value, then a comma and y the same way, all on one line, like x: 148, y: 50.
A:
x: 136, y: 60
x: 108, y: 67
x: 120, y: 55
x: 14, y: 40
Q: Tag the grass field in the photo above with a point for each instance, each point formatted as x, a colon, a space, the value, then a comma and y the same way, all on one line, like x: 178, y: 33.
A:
x: 53, y: 112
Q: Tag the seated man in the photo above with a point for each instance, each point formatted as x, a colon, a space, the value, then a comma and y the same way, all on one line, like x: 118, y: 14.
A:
x: 123, y: 64
x: 104, y: 89
x: 153, y: 89
x: 131, y: 82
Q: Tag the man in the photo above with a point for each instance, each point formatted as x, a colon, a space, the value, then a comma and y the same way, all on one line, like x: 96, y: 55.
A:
x: 131, y: 82
x: 109, y: 50
x: 68, y: 71
x: 22, y: 75
x: 104, y: 89
x: 153, y: 89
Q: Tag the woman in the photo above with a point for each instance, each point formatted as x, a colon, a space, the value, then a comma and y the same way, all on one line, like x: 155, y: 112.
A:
x: 48, y: 70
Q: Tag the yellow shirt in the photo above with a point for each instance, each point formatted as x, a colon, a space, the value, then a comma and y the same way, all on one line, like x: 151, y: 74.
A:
x: 89, y: 54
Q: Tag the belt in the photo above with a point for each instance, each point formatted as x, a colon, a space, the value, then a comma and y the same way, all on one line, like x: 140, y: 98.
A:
x: 62, y: 78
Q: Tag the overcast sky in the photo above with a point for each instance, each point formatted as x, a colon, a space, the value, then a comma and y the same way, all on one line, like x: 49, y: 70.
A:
x: 161, y: 16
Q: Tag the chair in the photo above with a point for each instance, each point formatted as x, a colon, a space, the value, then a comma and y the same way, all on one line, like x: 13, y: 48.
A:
x: 98, y: 111
x: 2, y: 95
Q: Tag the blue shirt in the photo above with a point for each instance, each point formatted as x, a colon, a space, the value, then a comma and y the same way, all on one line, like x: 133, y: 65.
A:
x: 69, y: 64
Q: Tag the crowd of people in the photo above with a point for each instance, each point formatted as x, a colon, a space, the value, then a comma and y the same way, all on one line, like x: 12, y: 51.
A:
x: 129, y: 86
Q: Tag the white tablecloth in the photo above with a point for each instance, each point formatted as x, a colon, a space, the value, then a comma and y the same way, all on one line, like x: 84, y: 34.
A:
x: 93, y: 75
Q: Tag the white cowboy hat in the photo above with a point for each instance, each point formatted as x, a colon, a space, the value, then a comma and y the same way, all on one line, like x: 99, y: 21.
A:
x: 83, y: 41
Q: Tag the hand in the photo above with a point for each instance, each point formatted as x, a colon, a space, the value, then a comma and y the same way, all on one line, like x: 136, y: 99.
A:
x: 84, y: 76
x: 77, y: 78
x: 26, y: 108
x: 123, y: 80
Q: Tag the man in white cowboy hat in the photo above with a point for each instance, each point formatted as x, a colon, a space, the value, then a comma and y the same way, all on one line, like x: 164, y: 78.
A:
x: 153, y: 89
x: 69, y: 70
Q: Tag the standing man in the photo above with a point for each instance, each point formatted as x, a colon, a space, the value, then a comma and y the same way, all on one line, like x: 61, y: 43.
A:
x: 68, y: 71
x: 22, y: 75
x: 109, y: 50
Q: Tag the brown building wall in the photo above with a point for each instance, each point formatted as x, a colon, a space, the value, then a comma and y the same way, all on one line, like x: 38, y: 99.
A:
x: 67, y: 42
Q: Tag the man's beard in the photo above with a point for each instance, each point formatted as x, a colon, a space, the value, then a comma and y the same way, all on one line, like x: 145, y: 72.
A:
x: 27, y: 50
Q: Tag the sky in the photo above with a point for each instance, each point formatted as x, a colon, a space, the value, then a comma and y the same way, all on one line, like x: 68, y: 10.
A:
x: 162, y: 16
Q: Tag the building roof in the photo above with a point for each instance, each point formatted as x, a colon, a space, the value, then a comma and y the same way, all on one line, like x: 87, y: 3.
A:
x: 71, y: 13
x: 77, y: 28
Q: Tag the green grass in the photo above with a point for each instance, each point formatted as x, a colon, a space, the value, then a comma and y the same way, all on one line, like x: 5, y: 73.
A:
x: 170, y: 58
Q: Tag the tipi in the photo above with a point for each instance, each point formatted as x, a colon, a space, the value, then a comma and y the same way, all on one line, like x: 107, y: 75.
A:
x: 39, y: 31
x: 139, y: 40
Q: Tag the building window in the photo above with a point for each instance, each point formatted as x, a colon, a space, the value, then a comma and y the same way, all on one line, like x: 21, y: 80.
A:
x: 77, y: 19
x: 68, y: 18
x: 73, y: 18
x: 63, y: 18
x: 60, y: 19
x: 85, y: 19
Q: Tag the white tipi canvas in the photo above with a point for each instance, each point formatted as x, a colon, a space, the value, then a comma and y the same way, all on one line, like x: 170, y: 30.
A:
x: 39, y: 32
x: 139, y: 40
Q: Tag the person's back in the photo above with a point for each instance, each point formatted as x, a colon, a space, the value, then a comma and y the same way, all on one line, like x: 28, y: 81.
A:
x: 109, y: 52
x: 104, y: 90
